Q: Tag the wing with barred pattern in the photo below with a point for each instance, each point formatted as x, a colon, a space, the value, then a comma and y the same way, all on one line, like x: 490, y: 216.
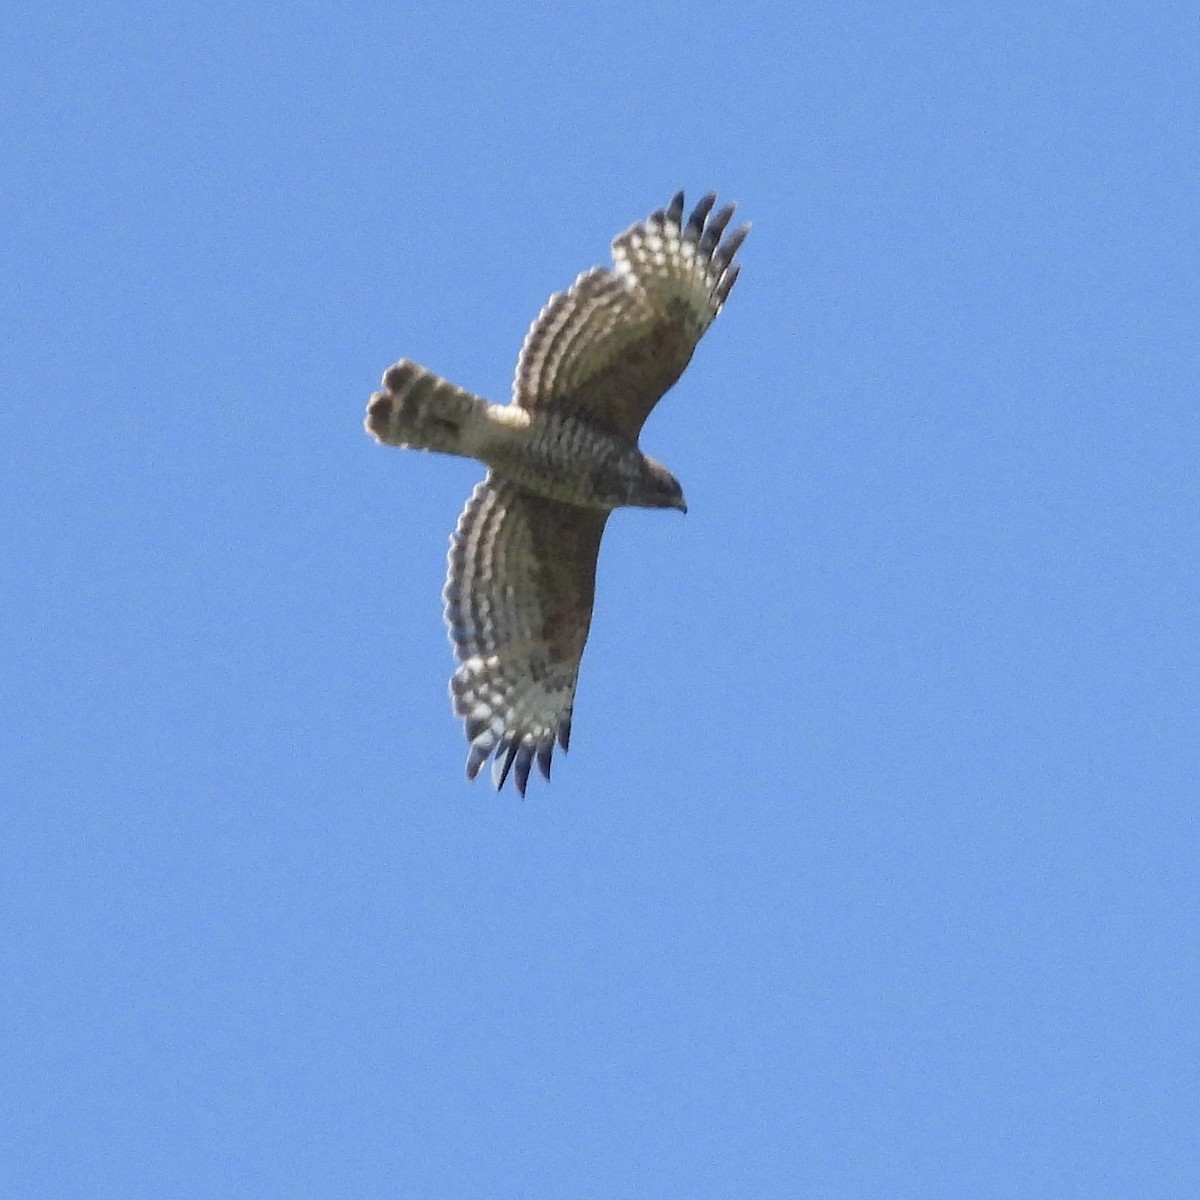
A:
x: 611, y: 346
x: 518, y: 595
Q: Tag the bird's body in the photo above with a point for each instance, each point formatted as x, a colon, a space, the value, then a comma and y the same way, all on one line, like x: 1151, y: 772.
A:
x: 551, y: 453
x: 561, y: 457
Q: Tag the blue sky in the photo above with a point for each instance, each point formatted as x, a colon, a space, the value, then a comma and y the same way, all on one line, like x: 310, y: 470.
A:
x: 873, y: 868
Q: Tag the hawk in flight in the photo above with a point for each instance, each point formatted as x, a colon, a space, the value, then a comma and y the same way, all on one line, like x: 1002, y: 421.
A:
x: 560, y: 458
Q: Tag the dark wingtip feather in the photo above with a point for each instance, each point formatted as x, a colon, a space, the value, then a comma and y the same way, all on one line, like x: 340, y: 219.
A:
x: 506, y: 753
x: 727, y: 282
x: 730, y: 246
x: 476, y: 757
x: 545, y: 754
x: 675, y: 209
x: 699, y: 214
x: 564, y: 732
x: 716, y: 227
x: 521, y: 765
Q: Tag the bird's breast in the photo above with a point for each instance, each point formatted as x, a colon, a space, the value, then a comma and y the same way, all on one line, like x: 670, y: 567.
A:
x: 564, y: 458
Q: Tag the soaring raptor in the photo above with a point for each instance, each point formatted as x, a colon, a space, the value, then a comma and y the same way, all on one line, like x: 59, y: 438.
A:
x: 560, y: 458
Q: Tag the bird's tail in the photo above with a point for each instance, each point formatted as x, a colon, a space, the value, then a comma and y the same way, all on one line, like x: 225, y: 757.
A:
x: 419, y: 409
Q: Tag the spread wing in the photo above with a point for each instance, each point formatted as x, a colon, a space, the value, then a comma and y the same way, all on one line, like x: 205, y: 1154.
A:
x: 518, y: 605
x: 611, y: 346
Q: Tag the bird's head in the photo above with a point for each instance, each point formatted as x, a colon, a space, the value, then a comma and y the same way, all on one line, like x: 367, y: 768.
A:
x: 660, y: 489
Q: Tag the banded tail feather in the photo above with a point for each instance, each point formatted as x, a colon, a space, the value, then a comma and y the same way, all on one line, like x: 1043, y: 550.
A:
x: 423, y: 411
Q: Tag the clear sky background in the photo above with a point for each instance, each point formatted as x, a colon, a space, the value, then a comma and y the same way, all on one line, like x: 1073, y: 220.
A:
x: 873, y: 869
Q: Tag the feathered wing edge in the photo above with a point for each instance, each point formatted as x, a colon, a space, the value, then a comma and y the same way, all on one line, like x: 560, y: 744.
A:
x: 703, y: 273
x: 612, y: 344
x: 518, y: 598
